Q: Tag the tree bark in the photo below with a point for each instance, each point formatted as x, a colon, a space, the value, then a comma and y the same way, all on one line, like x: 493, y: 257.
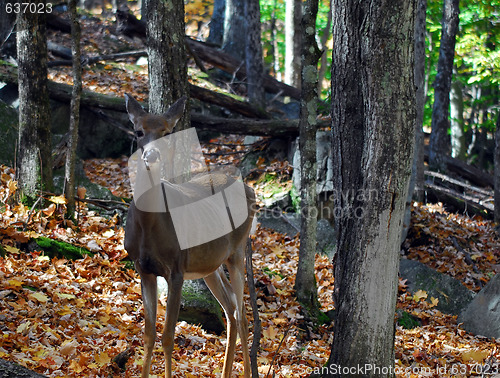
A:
x: 235, y: 29
x: 417, y: 180
x: 305, y: 281
x: 373, y: 125
x: 69, y: 176
x: 439, y: 143
x: 167, y: 66
x: 34, y: 165
x: 216, y: 35
x: 293, y: 15
x: 253, y: 54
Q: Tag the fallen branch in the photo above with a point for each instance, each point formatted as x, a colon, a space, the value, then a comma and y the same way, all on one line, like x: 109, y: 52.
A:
x: 62, y: 92
x: 474, y: 175
x: 129, y: 25
x: 460, y: 202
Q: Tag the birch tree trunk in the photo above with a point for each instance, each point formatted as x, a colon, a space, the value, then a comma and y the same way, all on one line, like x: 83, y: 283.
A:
x: 305, y: 281
x: 373, y: 125
x: 34, y: 162
x: 167, y: 67
x: 457, y: 132
x: 293, y: 15
x: 439, y: 143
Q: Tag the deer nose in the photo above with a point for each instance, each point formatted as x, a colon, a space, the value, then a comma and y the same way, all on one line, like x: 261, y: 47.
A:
x: 151, y: 156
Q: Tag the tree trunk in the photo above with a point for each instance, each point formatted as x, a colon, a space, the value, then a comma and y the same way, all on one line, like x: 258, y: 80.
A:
x: 216, y: 35
x: 439, y: 141
x: 167, y: 66
x: 235, y: 29
x: 253, y: 54
x: 305, y: 281
x: 69, y: 177
x: 416, y: 188
x: 293, y: 43
x: 497, y: 172
x: 373, y: 125
x: 457, y: 121
x: 7, y: 21
x: 34, y: 164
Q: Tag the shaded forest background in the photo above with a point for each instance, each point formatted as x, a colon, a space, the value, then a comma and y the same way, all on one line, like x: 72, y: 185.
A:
x: 98, y: 310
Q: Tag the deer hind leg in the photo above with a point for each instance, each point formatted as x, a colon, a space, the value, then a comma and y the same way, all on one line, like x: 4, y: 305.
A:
x: 236, y: 268
x: 150, y: 301
x: 171, y: 316
x: 223, y: 292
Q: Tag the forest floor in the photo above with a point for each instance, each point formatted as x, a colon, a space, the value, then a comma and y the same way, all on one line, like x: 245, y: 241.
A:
x: 68, y: 318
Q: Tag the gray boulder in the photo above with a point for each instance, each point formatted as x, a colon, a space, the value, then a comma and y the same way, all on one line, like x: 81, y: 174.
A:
x: 482, y: 315
x: 198, y: 305
x: 453, y: 296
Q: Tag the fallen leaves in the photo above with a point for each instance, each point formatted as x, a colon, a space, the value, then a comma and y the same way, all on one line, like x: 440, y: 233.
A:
x: 84, y: 318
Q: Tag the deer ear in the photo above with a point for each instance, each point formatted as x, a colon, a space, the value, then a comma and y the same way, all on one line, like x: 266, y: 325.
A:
x: 134, y: 109
x: 174, y: 113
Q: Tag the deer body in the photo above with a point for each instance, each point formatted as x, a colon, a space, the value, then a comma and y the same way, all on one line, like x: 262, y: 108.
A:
x: 152, y: 244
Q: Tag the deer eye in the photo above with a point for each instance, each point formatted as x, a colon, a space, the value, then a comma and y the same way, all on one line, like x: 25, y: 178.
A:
x: 139, y: 133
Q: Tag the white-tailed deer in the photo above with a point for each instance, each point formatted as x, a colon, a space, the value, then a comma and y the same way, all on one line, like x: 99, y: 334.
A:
x: 153, y: 244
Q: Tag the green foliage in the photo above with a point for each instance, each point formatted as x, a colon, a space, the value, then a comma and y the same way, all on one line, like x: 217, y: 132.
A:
x: 408, y: 321
x: 477, y: 60
x: 61, y: 249
x: 272, y: 12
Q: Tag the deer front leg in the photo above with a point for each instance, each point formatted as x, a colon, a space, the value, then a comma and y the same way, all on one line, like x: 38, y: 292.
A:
x: 150, y: 301
x: 171, y: 316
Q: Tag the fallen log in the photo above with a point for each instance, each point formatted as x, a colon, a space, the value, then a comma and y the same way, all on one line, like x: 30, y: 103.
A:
x: 245, y: 126
x: 62, y: 92
x: 459, y: 184
x: 129, y: 25
x: 458, y: 202
x: 472, y: 174
x: 232, y: 65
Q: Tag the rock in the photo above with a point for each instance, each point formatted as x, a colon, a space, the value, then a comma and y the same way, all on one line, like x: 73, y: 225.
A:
x: 289, y: 224
x: 482, y: 315
x: 198, y: 305
x: 10, y: 369
x: 453, y: 296
x: 324, y: 163
x: 94, y: 133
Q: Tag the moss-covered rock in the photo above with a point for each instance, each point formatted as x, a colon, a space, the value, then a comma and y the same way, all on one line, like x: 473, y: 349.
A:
x: 56, y: 248
x: 198, y: 305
